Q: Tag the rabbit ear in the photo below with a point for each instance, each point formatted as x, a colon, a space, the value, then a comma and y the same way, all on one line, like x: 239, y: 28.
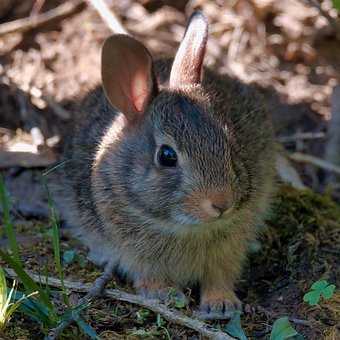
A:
x: 187, y: 66
x: 127, y: 75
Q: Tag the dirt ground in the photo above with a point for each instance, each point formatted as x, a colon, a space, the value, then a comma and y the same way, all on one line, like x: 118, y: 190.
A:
x: 288, y: 49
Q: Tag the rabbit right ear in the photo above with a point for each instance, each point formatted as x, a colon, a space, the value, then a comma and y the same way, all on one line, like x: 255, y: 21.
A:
x: 127, y: 75
x: 187, y: 67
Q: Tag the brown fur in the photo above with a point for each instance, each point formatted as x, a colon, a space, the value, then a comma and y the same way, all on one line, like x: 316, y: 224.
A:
x: 135, y: 214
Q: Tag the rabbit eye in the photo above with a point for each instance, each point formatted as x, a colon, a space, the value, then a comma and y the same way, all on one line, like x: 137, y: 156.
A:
x: 167, y: 156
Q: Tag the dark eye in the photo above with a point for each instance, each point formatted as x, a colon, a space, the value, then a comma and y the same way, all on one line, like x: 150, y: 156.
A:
x: 167, y: 156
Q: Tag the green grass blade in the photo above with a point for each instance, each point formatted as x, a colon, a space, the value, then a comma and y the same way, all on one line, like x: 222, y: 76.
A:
x: 27, y: 281
x: 13, y: 306
x: 87, y: 329
x: 56, y: 243
x: 35, y: 310
x: 3, y: 289
x: 9, y: 228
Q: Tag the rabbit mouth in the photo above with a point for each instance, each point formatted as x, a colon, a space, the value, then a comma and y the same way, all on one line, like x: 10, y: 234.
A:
x: 188, y: 220
x: 185, y: 219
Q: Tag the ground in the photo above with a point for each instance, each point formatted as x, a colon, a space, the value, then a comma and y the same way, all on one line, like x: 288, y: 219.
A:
x: 288, y: 49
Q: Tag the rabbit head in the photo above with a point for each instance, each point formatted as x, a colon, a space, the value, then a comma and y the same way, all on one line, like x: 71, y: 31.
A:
x: 166, y: 160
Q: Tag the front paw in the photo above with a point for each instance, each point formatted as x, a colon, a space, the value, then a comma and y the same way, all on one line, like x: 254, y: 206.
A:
x: 218, y: 305
x: 155, y: 290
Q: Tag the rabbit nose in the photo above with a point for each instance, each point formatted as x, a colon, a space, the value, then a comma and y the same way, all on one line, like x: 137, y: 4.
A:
x: 221, y: 207
x: 215, y: 209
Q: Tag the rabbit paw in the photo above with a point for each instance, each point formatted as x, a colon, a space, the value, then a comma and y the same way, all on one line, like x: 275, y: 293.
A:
x: 152, y: 289
x: 218, y: 305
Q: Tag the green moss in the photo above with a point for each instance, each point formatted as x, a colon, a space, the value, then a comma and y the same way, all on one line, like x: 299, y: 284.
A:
x: 303, y: 210
x: 21, y: 328
x: 17, y: 333
x: 299, y: 246
x: 301, y: 239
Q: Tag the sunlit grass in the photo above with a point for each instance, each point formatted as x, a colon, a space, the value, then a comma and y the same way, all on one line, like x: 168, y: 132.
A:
x: 41, y: 308
x: 7, y: 306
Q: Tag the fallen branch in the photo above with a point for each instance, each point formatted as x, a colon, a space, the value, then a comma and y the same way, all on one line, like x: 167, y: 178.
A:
x: 96, y: 290
x: 318, y: 162
x: 287, y: 172
x: 300, y: 322
x: 26, y: 24
x: 159, y: 308
x: 23, y: 159
x: 301, y: 136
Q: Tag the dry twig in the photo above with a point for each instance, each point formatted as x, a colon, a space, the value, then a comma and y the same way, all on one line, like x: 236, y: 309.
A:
x: 95, y: 291
x: 108, y: 16
x: 318, y: 162
x: 23, y: 159
x: 159, y: 308
x: 300, y: 322
x: 301, y: 136
x: 34, y: 21
x: 287, y: 172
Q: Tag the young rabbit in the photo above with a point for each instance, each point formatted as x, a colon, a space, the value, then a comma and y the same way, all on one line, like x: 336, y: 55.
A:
x: 170, y: 169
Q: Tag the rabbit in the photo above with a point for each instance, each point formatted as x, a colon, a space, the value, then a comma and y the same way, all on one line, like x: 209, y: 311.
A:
x: 169, y: 170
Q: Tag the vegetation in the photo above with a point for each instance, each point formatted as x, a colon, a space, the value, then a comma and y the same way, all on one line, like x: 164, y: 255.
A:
x: 41, y: 308
x: 7, y: 306
x: 318, y: 289
x: 300, y: 218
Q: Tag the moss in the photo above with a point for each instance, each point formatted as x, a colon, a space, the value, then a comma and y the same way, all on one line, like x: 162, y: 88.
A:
x: 304, y: 233
x: 303, y: 210
x: 21, y: 328
x: 299, y: 246
x: 17, y: 333
x: 301, y: 238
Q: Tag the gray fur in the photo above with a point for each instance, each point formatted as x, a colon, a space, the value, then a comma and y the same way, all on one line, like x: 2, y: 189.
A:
x: 129, y: 211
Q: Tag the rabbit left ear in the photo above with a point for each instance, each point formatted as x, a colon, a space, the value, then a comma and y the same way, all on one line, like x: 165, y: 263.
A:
x: 187, y: 66
x: 127, y: 75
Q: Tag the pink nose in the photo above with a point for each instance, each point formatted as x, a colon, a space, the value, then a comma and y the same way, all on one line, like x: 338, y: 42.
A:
x: 220, y: 206
x: 215, y: 208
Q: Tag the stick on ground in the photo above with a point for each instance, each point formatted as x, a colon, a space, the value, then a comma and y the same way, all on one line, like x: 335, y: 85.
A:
x: 35, y: 21
x: 318, y: 162
x: 287, y: 172
x: 159, y: 308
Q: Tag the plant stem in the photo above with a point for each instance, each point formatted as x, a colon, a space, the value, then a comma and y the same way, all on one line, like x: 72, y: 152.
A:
x: 8, y: 226
x: 56, y: 243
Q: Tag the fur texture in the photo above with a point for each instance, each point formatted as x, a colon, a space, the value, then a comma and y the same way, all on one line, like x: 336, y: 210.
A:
x: 153, y: 222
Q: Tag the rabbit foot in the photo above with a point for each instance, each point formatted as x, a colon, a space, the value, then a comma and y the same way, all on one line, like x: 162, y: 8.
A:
x: 153, y: 289
x: 218, y: 305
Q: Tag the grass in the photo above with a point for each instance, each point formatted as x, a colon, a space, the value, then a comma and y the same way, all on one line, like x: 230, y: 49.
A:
x: 296, y: 217
x: 56, y: 243
x: 7, y: 307
x: 9, y: 229
x: 41, y: 308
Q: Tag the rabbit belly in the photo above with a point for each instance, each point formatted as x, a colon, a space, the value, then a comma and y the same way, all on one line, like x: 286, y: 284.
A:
x: 183, y: 261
